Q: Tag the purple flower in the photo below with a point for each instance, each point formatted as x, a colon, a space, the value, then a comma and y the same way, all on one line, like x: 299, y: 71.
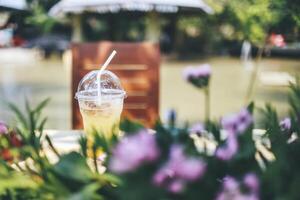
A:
x: 235, y: 195
x: 133, y: 151
x: 238, y: 122
x: 231, y: 190
x: 233, y: 124
x: 245, y: 120
x: 198, y: 76
x: 176, y: 186
x: 102, y: 157
x: 203, y: 71
x: 179, y: 169
x: 3, y: 128
x: 230, y: 123
x: 171, y: 116
x: 286, y: 124
x: 197, y: 128
x: 252, y: 182
x: 188, y: 72
x: 185, y: 168
x: 192, y: 169
x: 161, y: 176
x: 229, y: 150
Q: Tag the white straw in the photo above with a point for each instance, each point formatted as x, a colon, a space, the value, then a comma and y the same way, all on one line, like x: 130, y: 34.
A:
x: 112, y: 55
x: 104, y: 66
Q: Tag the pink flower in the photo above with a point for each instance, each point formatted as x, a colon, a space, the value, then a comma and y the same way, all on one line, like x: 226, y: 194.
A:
x: 238, y: 122
x: 161, y: 176
x: 133, y: 151
x: 231, y: 190
x: 179, y: 169
x: 230, y: 183
x: 229, y: 150
x: 3, y: 128
x: 197, y: 128
x: 191, y: 169
x: 197, y: 72
x: 245, y: 120
x: 252, y: 182
x: 185, y: 168
x: 187, y: 72
x: 286, y: 124
x: 230, y: 123
x: 176, y: 186
x: 236, y: 195
x: 234, y: 124
x: 198, y: 76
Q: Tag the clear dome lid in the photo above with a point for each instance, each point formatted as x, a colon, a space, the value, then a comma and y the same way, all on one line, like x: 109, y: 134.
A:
x: 110, y: 86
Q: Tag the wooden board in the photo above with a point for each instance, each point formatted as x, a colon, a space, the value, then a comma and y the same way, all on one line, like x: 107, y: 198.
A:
x: 136, y: 64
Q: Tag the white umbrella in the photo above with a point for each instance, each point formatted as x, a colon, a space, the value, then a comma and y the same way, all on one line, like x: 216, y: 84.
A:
x: 13, y: 4
x: 104, y: 6
x: 8, y: 5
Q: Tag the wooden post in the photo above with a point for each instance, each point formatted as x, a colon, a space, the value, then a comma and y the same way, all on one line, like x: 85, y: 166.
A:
x: 153, y: 27
x: 77, y: 34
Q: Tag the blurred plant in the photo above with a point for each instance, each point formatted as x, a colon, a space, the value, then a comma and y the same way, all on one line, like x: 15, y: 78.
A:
x: 169, y: 165
x: 292, y: 8
x: 200, y: 77
x: 240, y: 167
x: 215, y: 161
x: 282, y: 176
x: 39, y: 14
x: 251, y: 19
x: 231, y: 188
x: 30, y: 173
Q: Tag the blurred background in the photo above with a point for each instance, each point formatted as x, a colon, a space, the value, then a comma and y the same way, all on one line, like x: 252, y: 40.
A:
x: 35, y: 37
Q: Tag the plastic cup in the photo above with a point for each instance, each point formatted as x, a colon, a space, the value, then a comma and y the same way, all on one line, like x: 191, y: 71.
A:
x: 100, y: 113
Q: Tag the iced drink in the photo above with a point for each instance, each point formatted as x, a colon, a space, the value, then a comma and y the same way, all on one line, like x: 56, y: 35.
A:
x: 103, y: 118
x: 101, y: 115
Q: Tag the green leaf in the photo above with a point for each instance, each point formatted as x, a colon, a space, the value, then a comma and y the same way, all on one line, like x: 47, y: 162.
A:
x: 20, y: 117
x: 83, y: 145
x: 42, y: 105
x: 51, y: 146
x: 101, y: 141
x: 112, y: 179
x: 15, y: 180
x: 73, y: 166
x: 88, y: 192
x: 251, y: 107
x: 130, y: 127
x: 41, y: 126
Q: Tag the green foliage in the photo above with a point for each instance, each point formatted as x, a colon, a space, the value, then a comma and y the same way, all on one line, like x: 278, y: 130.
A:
x: 30, y: 175
x: 11, y: 180
x: 138, y: 184
x: 34, y: 176
x: 294, y: 101
x: 250, y: 20
x: 253, y: 19
x: 39, y: 14
x: 282, y: 176
x: 293, y: 8
x: 130, y: 126
x: 279, y: 179
x: 76, y: 162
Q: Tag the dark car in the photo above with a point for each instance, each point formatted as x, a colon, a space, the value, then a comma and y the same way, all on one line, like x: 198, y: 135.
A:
x: 49, y: 44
